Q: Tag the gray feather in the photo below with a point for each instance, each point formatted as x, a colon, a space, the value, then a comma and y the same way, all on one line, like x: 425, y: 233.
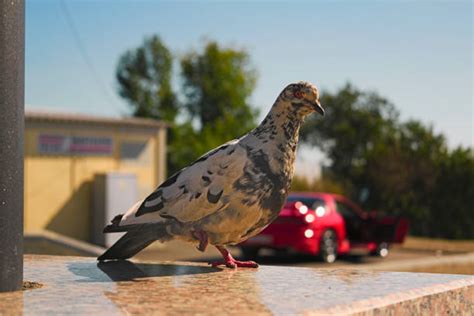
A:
x: 134, y: 241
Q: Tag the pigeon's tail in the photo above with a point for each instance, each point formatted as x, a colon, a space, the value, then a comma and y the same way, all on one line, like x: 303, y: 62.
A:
x: 135, y: 240
x: 115, y: 226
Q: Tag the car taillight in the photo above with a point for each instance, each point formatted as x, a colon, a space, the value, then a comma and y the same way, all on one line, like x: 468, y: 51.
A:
x: 303, y: 209
x: 309, y: 218
x: 320, y: 211
x: 308, y: 233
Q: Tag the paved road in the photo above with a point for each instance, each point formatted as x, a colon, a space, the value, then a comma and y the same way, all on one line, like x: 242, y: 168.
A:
x: 179, y: 251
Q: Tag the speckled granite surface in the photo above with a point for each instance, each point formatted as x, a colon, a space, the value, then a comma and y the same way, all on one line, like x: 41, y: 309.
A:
x: 80, y: 286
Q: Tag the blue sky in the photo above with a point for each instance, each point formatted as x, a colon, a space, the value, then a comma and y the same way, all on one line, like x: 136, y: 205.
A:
x: 417, y: 54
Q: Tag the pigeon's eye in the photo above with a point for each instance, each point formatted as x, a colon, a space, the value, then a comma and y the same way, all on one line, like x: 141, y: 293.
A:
x: 298, y: 94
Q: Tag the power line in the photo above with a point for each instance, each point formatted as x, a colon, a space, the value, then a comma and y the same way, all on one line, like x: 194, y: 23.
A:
x: 85, y: 56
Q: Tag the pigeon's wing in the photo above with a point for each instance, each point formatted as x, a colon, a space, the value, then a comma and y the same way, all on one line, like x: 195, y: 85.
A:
x: 194, y: 192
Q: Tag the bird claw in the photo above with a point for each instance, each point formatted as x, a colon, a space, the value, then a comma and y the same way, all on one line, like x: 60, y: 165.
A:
x: 203, y: 240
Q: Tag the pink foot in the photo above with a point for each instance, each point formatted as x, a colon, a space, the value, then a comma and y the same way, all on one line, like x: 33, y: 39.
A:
x: 230, y: 262
x: 235, y: 263
x: 203, y: 240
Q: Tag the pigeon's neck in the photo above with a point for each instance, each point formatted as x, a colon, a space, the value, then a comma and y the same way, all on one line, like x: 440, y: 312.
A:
x: 277, y: 138
x: 280, y: 126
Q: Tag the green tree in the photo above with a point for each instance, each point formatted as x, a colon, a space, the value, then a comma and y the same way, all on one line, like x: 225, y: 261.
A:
x: 354, y: 124
x: 144, y: 77
x: 402, y: 173
x: 217, y: 84
x: 453, y: 195
x: 398, y: 167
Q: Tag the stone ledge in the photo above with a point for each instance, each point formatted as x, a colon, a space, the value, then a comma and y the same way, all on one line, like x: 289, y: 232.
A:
x: 460, y: 263
x: 77, y: 285
x: 48, y: 242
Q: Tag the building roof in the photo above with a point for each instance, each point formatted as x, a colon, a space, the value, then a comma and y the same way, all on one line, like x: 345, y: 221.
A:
x: 43, y: 116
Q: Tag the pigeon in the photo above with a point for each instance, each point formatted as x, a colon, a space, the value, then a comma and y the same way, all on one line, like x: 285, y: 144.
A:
x: 229, y: 194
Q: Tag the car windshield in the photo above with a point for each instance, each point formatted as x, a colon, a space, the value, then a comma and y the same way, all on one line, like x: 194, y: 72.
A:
x: 312, y: 203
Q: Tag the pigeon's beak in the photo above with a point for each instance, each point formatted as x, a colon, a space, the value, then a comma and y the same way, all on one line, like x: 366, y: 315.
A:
x: 318, y: 108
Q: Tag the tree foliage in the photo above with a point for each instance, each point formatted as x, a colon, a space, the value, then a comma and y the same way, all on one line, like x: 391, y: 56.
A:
x: 453, y: 195
x: 354, y: 123
x: 217, y: 84
x: 144, y: 77
x: 398, y: 167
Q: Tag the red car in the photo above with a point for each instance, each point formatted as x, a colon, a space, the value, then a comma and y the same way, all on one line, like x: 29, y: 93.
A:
x: 327, y: 225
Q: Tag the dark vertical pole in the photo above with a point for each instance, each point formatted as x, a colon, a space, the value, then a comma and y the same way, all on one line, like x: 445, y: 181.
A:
x: 12, y: 48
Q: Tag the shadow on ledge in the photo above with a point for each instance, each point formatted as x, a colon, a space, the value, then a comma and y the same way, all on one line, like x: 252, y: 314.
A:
x: 124, y: 270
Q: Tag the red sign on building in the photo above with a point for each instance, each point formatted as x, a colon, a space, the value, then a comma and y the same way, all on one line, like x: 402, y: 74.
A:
x: 74, y: 145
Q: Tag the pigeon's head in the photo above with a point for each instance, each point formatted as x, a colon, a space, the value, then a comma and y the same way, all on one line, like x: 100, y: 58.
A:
x: 303, y: 96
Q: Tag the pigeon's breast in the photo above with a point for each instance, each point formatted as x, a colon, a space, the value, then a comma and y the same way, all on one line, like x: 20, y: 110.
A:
x: 261, y: 184
x: 254, y: 201
x: 259, y: 193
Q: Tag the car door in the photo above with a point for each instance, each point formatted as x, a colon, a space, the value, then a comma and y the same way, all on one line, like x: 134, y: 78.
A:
x: 391, y: 229
x: 357, y: 227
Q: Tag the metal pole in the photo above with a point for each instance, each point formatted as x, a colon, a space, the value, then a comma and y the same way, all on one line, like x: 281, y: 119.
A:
x: 12, y: 48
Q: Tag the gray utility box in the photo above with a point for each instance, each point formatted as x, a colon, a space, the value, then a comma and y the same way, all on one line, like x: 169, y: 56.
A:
x: 114, y: 193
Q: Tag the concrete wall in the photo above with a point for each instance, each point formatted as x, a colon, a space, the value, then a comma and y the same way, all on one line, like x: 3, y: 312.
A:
x: 58, y: 187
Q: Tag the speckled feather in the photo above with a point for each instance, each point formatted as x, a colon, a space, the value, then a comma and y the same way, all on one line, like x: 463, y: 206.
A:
x: 236, y: 190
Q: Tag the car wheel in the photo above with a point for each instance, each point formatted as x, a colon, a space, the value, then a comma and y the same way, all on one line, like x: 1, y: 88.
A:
x: 328, y: 246
x: 381, y: 251
x: 250, y: 252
